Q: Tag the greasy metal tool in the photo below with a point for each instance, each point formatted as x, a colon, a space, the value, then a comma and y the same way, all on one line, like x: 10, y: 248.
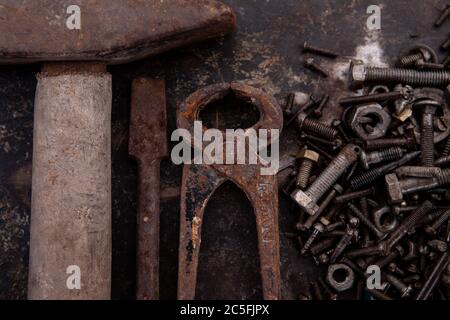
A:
x: 71, y: 187
x: 200, y: 181
x: 148, y: 145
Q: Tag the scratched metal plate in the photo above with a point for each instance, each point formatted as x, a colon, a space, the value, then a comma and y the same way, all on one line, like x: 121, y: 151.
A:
x: 264, y: 53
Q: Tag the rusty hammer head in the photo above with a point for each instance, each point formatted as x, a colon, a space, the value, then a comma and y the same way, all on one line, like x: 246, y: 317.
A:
x: 110, y: 31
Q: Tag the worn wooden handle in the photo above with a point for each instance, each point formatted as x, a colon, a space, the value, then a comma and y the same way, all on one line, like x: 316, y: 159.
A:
x: 70, y: 246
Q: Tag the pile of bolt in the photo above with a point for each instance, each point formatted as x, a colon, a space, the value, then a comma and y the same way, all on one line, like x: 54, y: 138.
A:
x: 373, y: 185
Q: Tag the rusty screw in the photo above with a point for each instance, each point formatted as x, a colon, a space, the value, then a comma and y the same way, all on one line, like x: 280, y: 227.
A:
x: 318, y: 228
x: 374, y: 157
x: 313, y: 49
x: 443, y: 16
x: 310, y: 64
x: 315, y: 127
x: 427, y: 133
x: 405, y: 142
x: 433, y: 228
x: 365, y: 220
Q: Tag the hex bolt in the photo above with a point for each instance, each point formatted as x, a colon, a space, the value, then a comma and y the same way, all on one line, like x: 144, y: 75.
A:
x: 309, y: 198
x: 354, y: 195
x: 307, y: 160
x: 345, y: 240
x: 313, y: 49
x: 315, y: 127
x: 366, y: 221
x: 405, y: 142
x: 360, y: 75
x: 443, y: 16
x: 407, y: 224
x: 427, y: 131
x: 434, y: 227
x: 434, y: 276
x: 310, y: 64
x: 318, y: 228
x: 405, y: 290
x: 376, y: 97
x: 337, y: 189
x: 374, y: 157
x: 371, y: 175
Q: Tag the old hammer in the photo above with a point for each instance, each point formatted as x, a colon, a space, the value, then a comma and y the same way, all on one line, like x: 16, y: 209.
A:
x: 70, y: 242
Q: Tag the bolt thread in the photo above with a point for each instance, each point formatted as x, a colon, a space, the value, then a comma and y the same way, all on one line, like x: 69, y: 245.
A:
x: 310, y: 241
x: 304, y: 172
x: 366, y: 178
x: 446, y: 151
x: 331, y: 174
x: 437, y: 78
x: 342, y: 244
x: 377, y: 144
x: 410, y: 59
x: 319, y: 129
x: 391, y: 154
x: 426, y: 140
x: 444, y: 177
x: 365, y: 220
x: 442, y: 218
x: 409, y: 223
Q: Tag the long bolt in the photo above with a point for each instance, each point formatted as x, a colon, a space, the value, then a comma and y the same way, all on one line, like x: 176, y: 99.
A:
x: 308, y: 199
x: 376, y: 97
x: 313, y: 49
x: 434, y: 277
x: 374, y: 157
x: 315, y: 127
x: 444, y: 15
x: 365, y: 220
x: 354, y: 195
x: 371, y: 175
x: 361, y: 75
x: 405, y: 142
x: 427, y: 134
x: 434, y: 227
x: 407, y: 224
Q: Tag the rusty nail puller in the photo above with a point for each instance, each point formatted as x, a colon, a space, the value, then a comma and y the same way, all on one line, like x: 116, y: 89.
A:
x: 200, y: 181
x: 148, y: 145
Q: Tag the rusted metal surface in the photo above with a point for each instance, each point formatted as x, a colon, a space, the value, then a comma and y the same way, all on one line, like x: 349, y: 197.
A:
x: 113, y: 31
x: 200, y: 181
x: 148, y: 145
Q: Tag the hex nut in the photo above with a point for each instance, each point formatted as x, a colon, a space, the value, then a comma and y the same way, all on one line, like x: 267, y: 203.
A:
x: 305, y: 202
x: 337, y: 284
x: 371, y: 109
x: 309, y: 154
x: 393, y: 188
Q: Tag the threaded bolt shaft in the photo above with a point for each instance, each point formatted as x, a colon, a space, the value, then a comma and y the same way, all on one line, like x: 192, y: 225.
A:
x: 318, y: 228
x: 410, y: 59
x: 304, y: 173
x: 317, y: 128
x: 405, y: 142
x: 313, y: 49
x: 374, y: 157
x: 365, y: 220
x: 342, y: 244
x: 427, y: 137
x: 446, y: 150
x: 433, y: 228
x: 406, y: 225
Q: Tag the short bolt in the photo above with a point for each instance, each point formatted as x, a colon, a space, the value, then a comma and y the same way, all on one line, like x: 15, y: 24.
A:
x: 315, y: 127
x: 374, y: 157
x: 313, y: 49
x: 308, y: 199
x: 307, y: 160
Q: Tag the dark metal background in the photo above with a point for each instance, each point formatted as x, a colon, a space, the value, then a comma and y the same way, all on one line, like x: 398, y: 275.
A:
x: 264, y: 52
